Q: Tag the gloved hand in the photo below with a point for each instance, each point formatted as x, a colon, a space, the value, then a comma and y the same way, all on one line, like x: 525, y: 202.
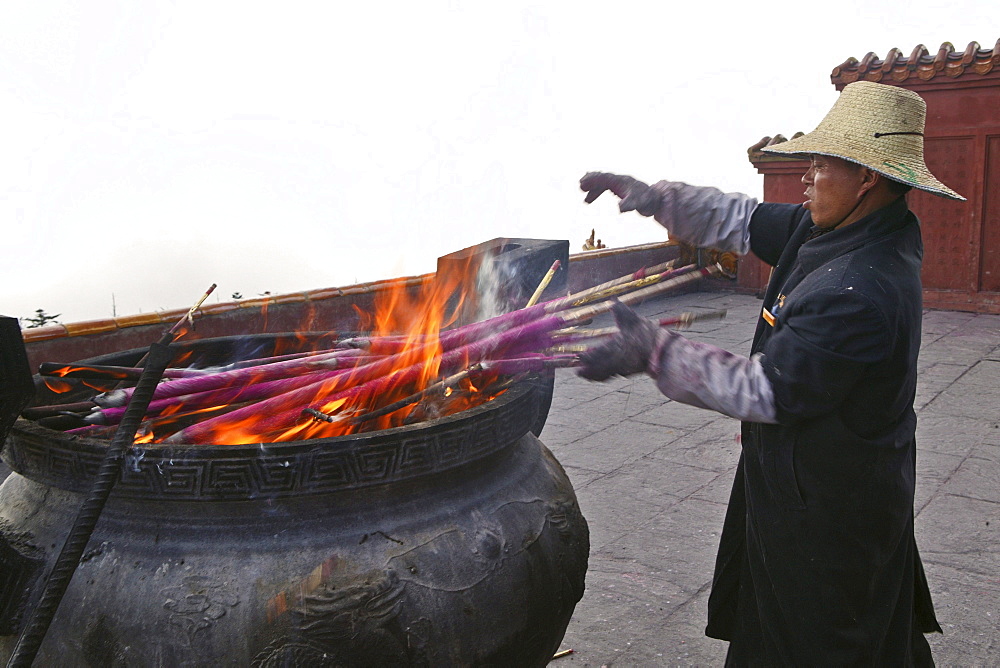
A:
x: 627, y: 352
x: 634, y: 194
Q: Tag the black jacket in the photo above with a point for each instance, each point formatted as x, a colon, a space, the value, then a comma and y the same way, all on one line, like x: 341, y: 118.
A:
x: 817, y: 561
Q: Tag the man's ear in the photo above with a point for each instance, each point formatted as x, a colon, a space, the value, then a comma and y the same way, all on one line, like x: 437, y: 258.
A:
x: 870, y: 179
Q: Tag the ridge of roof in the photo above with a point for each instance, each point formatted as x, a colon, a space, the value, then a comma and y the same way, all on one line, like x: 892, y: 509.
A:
x: 920, y: 64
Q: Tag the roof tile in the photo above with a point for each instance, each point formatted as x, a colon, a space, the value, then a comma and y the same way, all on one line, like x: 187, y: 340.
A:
x: 919, y: 64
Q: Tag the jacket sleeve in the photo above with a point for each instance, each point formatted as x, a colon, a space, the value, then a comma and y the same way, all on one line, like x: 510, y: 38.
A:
x: 704, y: 217
x: 820, y: 349
x: 710, y: 377
x: 771, y: 227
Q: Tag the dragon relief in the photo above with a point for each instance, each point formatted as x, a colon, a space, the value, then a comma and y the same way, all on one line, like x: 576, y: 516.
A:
x: 348, y: 625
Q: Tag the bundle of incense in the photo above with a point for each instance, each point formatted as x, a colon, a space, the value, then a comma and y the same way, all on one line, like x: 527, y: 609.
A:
x: 111, y: 410
x: 199, y: 400
x: 443, y: 403
x: 282, y: 414
x: 230, y: 393
x: 448, y: 340
x: 682, y: 321
x: 39, y: 412
x: 179, y: 328
x: 214, y: 379
x: 351, y: 379
x: 468, y: 333
x: 503, y: 367
x: 111, y: 372
x: 167, y: 423
x: 116, y: 398
x: 440, y: 386
x: 338, y: 359
x: 334, y: 361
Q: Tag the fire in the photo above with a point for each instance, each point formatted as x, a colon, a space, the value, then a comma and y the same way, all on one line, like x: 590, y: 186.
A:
x: 431, y: 348
x: 54, y: 381
x: 57, y: 386
x: 403, y: 358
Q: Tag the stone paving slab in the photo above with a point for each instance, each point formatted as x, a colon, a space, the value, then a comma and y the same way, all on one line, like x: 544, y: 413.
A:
x: 653, y: 479
x: 970, y: 635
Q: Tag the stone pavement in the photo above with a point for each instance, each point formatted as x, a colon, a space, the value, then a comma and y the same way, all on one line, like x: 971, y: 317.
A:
x: 653, y: 477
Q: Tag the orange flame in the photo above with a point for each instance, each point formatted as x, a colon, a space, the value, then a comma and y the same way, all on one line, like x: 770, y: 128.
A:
x: 56, y: 385
x: 408, y: 321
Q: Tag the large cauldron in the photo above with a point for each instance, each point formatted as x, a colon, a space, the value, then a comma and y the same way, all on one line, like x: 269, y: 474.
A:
x: 453, y: 542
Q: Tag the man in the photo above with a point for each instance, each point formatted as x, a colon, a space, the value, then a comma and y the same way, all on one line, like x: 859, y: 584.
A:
x: 817, y: 562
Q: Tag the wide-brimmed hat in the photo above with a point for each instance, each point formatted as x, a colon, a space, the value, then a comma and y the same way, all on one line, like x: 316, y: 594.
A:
x: 878, y: 126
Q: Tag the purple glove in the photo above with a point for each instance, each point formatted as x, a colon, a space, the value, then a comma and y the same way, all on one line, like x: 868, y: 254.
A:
x: 635, y: 195
x: 627, y: 352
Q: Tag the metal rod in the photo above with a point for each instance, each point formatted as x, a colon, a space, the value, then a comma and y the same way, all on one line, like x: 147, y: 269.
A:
x: 157, y: 359
x: 66, y: 563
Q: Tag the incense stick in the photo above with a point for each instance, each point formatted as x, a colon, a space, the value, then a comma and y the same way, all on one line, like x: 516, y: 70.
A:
x: 546, y: 279
x: 682, y: 321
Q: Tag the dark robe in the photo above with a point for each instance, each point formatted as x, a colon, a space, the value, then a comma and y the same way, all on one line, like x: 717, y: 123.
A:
x: 817, y: 562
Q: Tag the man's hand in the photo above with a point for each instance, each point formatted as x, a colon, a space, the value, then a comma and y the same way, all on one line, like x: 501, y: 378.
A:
x: 627, y: 352
x: 634, y: 194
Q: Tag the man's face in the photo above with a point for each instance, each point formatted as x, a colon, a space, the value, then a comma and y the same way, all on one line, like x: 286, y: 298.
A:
x: 833, y: 189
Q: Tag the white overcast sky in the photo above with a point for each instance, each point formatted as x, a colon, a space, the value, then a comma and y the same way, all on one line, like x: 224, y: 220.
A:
x: 149, y: 149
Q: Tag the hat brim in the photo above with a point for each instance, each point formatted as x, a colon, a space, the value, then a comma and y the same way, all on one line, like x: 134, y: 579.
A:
x: 817, y: 143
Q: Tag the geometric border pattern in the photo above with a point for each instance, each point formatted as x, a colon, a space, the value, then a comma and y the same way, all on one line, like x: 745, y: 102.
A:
x: 269, y: 470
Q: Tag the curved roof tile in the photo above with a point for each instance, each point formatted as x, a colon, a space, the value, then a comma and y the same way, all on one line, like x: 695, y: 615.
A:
x: 919, y: 64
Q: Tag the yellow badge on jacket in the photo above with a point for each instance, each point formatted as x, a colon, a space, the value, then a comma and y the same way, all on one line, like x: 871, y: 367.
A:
x: 769, y: 316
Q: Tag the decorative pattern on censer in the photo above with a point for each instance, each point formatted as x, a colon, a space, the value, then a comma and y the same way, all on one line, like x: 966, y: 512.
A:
x: 279, y: 469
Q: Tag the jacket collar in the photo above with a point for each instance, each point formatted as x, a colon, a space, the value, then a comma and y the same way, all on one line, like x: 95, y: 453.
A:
x: 818, y: 251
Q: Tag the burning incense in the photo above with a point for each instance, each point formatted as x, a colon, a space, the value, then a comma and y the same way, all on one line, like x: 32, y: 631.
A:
x: 339, y: 359
x: 467, y: 333
x: 39, y: 412
x: 440, y: 386
x: 504, y: 367
x: 265, y: 402
x: 282, y: 414
x: 214, y: 397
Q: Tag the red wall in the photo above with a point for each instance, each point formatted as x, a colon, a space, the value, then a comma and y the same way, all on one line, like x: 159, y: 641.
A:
x: 961, y: 269
x: 962, y: 148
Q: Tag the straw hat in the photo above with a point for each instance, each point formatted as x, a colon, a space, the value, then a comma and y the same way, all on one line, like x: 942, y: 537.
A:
x: 878, y: 126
